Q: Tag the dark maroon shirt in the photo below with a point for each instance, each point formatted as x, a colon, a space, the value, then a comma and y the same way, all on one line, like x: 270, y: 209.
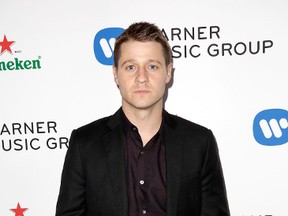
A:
x: 146, y: 172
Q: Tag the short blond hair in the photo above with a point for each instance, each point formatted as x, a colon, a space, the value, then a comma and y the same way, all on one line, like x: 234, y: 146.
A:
x: 143, y: 32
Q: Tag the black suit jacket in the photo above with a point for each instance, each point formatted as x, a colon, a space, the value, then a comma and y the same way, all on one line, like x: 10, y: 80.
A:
x: 94, y: 180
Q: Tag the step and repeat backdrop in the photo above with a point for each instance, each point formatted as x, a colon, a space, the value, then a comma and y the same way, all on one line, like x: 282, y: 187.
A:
x: 231, y: 75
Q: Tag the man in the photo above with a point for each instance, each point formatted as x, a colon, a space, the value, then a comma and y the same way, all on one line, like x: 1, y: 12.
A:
x: 142, y: 160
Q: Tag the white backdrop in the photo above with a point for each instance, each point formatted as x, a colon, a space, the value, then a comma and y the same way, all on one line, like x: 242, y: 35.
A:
x: 51, y: 82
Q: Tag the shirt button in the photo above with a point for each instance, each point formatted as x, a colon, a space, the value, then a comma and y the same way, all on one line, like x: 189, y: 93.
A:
x: 141, y: 182
x: 144, y: 211
x: 142, y: 152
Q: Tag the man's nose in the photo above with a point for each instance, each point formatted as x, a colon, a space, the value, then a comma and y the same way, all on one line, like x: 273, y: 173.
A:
x: 142, y: 75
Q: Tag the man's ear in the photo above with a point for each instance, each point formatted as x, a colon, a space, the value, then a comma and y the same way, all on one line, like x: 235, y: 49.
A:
x: 169, y: 72
x: 115, y: 74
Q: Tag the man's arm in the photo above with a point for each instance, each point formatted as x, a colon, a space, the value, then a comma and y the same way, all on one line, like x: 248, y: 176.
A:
x: 71, y: 200
x: 214, y: 198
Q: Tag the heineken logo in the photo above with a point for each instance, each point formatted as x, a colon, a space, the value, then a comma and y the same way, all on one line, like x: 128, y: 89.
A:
x: 15, y: 64
x: 18, y: 64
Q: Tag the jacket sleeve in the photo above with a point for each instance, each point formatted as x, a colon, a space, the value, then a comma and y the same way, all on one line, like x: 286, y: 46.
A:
x: 71, y: 199
x: 214, y: 198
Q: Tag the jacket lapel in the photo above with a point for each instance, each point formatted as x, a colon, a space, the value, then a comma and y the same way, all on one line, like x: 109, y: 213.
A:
x: 115, y: 152
x: 174, y: 154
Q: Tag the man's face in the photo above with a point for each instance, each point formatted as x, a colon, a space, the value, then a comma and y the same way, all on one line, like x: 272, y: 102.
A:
x: 142, y: 75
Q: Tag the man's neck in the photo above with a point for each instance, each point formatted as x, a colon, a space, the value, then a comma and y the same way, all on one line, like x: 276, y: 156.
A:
x: 148, y: 121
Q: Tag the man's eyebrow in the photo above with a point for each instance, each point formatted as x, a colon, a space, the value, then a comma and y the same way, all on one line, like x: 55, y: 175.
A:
x: 149, y: 61
x: 129, y: 60
x: 153, y: 60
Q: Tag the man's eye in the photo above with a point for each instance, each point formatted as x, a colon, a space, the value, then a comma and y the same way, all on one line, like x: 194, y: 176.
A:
x: 152, y: 67
x: 130, y: 67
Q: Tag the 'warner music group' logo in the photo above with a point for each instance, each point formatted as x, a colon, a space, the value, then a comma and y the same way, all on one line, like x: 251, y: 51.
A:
x: 270, y: 127
x: 185, y: 42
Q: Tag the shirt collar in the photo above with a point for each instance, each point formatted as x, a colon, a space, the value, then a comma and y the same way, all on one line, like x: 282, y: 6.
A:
x: 128, y: 126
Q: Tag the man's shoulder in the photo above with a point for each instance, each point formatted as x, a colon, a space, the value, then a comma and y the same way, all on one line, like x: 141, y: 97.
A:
x: 100, y: 123
x: 106, y: 122
x: 185, y: 126
x: 193, y: 134
x: 100, y: 126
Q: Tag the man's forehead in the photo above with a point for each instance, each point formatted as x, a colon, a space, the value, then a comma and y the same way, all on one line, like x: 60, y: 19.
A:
x: 141, y: 48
